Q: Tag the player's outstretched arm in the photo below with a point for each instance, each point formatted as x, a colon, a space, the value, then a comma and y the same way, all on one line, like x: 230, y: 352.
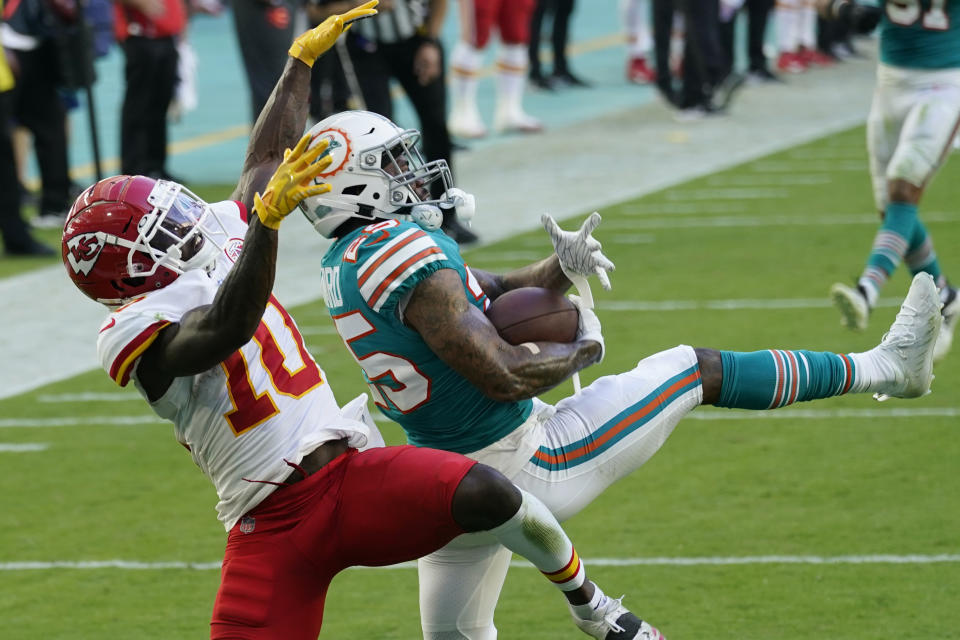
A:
x: 284, y: 117
x: 465, y: 340
x: 207, y: 335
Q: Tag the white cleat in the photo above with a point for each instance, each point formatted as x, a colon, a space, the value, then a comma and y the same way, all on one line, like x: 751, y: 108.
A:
x: 852, y: 304
x: 951, y: 314
x: 613, y: 621
x: 513, y: 121
x: 465, y: 122
x: 908, y: 345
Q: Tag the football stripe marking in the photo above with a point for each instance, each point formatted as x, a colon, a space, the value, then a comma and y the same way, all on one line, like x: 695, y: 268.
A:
x: 133, y: 565
x: 700, y: 414
x: 87, y: 421
x: 113, y: 396
x: 23, y: 447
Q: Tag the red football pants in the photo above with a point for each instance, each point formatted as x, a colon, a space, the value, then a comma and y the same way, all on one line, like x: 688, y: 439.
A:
x: 378, y: 507
x: 511, y: 17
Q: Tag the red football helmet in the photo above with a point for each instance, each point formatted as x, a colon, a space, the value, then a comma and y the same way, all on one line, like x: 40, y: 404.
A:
x: 128, y: 235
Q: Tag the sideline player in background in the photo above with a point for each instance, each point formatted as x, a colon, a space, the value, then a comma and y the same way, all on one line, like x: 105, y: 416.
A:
x: 412, y: 314
x: 912, y: 124
x: 194, y: 325
x: 478, y: 18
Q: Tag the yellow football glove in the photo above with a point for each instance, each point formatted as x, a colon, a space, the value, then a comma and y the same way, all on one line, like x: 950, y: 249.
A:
x: 314, y: 43
x: 292, y: 182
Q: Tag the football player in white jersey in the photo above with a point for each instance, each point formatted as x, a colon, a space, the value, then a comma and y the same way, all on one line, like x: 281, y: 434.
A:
x: 411, y: 313
x: 913, y: 121
x: 305, y: 491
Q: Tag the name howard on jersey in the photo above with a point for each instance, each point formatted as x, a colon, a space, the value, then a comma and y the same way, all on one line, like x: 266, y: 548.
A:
x: 330, y: 286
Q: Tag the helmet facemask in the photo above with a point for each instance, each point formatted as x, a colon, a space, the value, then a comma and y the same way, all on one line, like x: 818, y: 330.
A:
x: 182, y: 233
x: 410, y: 179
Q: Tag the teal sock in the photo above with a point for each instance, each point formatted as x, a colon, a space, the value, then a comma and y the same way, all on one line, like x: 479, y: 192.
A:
x: 921, y: 255
x: 890, y: 244
x: 771, y: 379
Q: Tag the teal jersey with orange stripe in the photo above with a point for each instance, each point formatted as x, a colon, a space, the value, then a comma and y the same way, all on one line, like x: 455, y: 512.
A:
x: 367, y: 276
x: 921, y: 34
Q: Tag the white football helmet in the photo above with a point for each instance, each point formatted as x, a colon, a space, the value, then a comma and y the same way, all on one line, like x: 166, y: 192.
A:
x: 377, y: 172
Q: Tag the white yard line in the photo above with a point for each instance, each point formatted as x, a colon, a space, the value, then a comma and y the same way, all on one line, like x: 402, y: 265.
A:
x: 135, y: 565
x: 87, y: 421
x: 729, y: 305
x: 801, y: 414
x: 830, y: 153
x: 23, y: 447
x: 116, y: 396
x: 758, y: 220
x: 797, y: 166
x: 733, y: 193
x: 701, y: 208
x: 633, y: 238
x: 318, y: 331
x: 764, y: 180
x: 823, y: 414
x: 700, y: 414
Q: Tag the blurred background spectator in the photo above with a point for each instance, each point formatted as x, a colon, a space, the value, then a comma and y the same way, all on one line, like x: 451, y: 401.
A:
x: 511, y: 18
x: 17, y: 240
x: 707, y: 82
x: 147, y: 31
x: 264, y: 31
x: 758, y: 15
x: 30, y: 33
x: 636, y: 20
x: 559, y: 12
x: 797, y: 37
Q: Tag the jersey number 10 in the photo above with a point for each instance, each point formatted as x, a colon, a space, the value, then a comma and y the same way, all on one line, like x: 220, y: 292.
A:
x: 251, y: 409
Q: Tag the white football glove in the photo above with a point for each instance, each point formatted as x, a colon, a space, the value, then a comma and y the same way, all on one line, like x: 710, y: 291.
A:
x: 588, y: 325
x: 579, y: 252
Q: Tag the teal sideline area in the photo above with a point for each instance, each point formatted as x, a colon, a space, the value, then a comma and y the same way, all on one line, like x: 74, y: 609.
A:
x: 598, y: 48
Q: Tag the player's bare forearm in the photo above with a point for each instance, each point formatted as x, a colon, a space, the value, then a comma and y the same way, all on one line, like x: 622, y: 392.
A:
x: 279, y: 127
x: 460, y: 335
x: 536, y: 373
x: 545, y: 273
x: 238, y: 307
x: 207, y: 335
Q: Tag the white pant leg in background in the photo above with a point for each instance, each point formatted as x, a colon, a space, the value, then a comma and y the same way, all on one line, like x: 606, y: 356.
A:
x: 912, y: 123
x: 566, y: 456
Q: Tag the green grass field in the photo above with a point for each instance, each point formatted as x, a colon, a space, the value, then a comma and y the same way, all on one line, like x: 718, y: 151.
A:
x: 840, y: 478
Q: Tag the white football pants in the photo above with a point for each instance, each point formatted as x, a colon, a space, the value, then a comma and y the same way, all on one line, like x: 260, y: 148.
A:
x: 912, y: 123
x: 566, y: 456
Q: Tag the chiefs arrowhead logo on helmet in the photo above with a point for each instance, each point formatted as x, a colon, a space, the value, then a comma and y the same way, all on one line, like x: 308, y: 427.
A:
x: 83, y: 250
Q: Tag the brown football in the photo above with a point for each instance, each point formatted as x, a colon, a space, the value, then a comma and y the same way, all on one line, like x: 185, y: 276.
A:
x: 533, y: 314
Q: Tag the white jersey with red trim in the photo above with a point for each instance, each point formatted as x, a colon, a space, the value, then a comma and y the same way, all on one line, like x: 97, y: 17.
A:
x: 267, y: 403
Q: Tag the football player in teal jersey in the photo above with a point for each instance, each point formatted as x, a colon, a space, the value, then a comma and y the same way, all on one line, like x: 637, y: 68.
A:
x: 411, y: 313
x: 912, y: 124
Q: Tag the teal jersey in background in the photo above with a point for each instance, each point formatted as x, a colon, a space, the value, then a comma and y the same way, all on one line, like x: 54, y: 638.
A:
x: 921, y: 34
x: 366, y: 275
